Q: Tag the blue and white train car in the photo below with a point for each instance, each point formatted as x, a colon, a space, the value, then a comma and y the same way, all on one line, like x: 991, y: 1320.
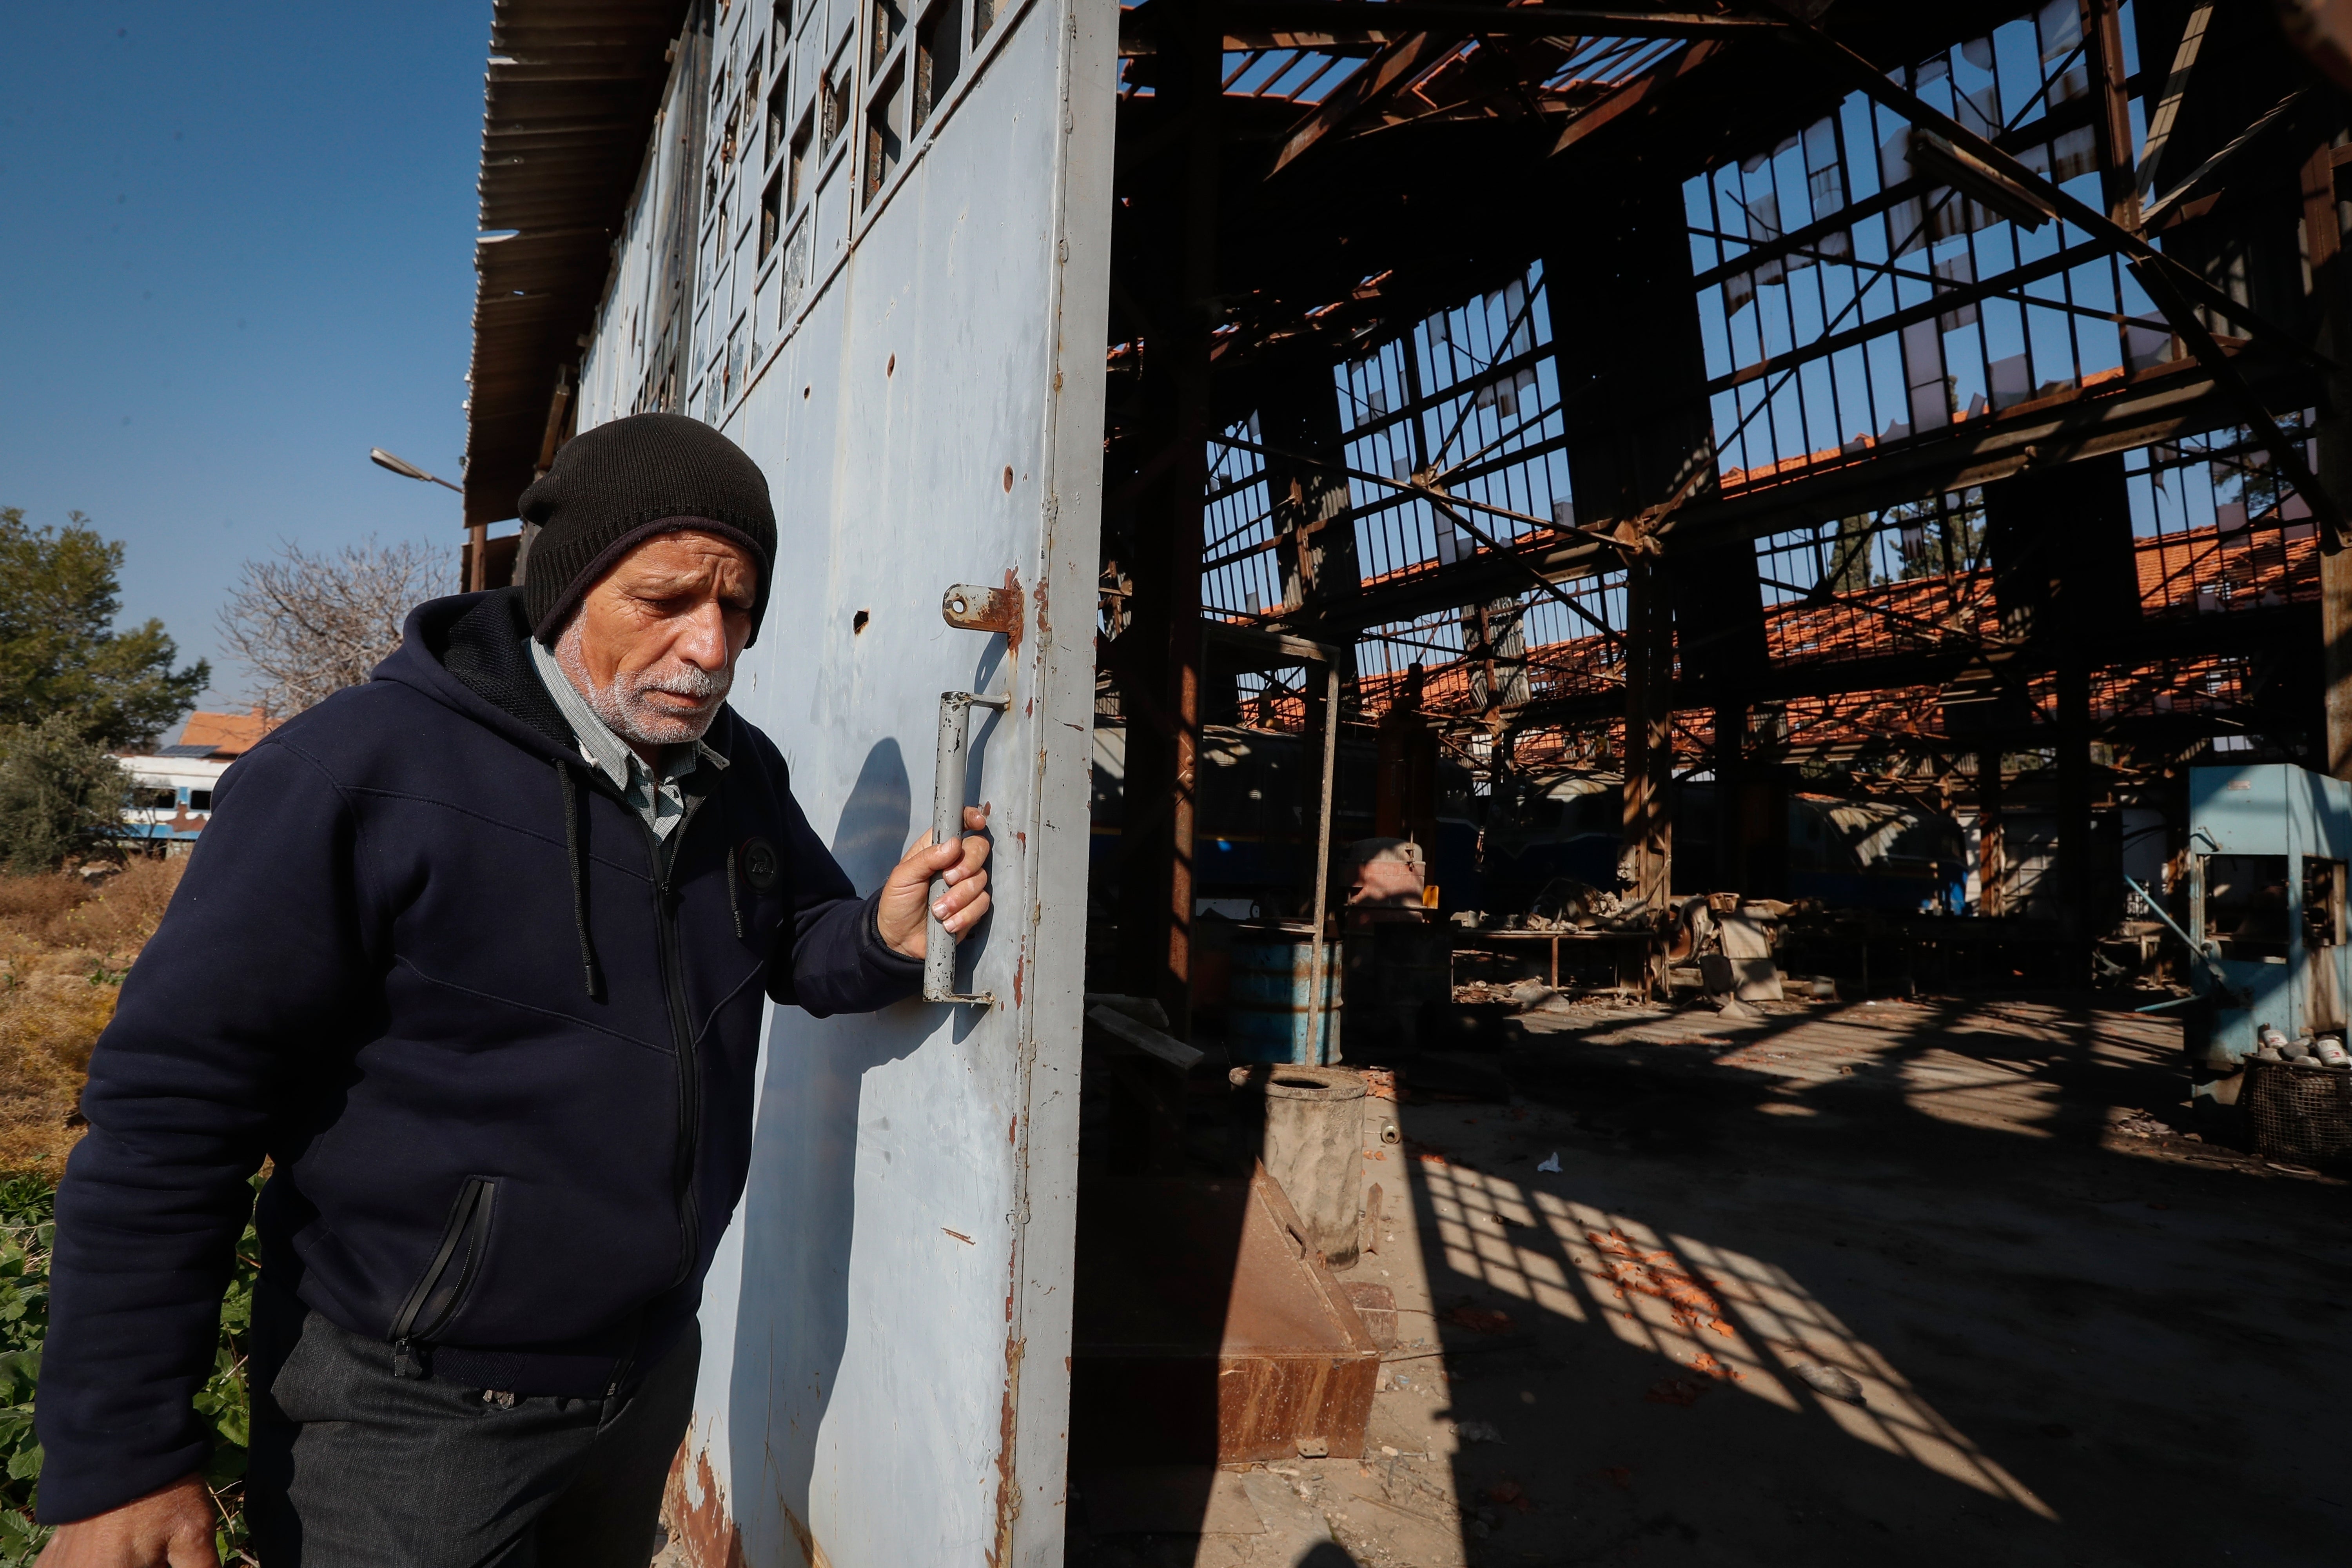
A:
x: 170, y: 797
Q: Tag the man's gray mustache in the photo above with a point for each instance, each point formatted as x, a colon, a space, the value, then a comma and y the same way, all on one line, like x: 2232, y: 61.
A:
x: 699, y: 684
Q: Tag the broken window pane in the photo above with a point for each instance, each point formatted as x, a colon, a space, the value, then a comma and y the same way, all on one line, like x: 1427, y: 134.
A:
x: 803, y: 142
x: 833, y: 105
x: 2322, y: 881
x: 889, y: 21
x: 2245, y: 905
x: 938, y: 53
x: 772, y: 214
x: 883, y: 141
x: 779, y: 116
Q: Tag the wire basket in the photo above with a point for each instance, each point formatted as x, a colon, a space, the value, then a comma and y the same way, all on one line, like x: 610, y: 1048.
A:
x: 2300, y: 1111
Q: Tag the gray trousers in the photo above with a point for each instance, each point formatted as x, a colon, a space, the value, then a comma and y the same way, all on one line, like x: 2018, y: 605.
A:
x: 354, y: 1467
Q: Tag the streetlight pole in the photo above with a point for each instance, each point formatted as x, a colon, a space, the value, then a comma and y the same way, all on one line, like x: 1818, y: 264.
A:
x: 478, y: 534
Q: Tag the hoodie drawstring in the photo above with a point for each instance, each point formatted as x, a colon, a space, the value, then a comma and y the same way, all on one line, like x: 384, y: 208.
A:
x: 733, y: 908
x: 590, y: 974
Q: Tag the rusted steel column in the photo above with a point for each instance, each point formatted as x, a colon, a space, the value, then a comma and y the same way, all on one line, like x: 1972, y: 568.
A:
x: 2103, y: 41
x: 1176, y: 973
x: 1323, y: 722
x: 2324, y: 245
x: 1648, y: 856
x: 1728, y: 720
x: 1992, y: 863
x: 1299, y: 418
x: 2064, y: 580
x: 1204, y: 95
x: 1641, y: 437
x: 1157, y: 659
x: 2079, y: 921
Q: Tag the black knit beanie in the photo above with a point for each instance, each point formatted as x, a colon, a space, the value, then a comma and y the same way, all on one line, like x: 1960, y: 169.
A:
x: 614, y: 486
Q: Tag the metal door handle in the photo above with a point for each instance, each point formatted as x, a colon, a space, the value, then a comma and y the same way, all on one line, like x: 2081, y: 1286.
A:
x: 947, y: 826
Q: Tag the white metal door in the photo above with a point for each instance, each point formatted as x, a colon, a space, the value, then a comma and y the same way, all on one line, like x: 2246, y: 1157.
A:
x: 903, y: 323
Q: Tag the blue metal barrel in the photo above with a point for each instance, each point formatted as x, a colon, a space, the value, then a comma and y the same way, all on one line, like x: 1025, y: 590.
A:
x: 1265, y: 1008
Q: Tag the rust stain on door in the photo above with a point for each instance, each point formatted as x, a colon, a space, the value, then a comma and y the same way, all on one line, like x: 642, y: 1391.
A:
x: 1008, y: 1483
x: 706, y: 1536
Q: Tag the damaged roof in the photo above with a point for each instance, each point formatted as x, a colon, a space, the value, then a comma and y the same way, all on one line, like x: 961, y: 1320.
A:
x: 568, y: 106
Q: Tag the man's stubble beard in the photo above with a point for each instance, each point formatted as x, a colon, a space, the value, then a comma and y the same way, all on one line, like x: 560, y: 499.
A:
x: 623, y: 706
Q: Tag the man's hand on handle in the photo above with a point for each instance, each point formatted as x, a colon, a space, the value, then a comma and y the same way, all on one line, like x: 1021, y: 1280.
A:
x: 965, y: 866
x: 169, y: 1528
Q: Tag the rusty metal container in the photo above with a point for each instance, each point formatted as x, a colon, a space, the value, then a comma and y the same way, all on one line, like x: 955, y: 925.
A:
x: 1267, y: 1018
x: 1307, y: 1123
x: 1208, y: 1329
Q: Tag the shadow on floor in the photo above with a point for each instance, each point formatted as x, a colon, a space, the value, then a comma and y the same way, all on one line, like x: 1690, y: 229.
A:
x: 1762, y: 1313
x: 1845, y: 1285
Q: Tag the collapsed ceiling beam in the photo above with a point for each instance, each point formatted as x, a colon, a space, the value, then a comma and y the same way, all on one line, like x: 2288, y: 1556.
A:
x: 2167, y: 108
x: 2195, y: 182
x: 1396, y: 65
x: 1635, y: 94
x: 1404, y: 58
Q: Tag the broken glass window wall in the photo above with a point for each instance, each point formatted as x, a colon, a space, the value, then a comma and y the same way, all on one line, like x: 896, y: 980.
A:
x: 2217, y: 528
x: 1240, y: 571
x: 1469, y: 400
x: 1906, y: 577
x: 1821, y: 262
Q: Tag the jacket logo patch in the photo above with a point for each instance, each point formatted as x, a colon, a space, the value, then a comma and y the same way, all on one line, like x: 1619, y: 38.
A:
x: 760, y: 864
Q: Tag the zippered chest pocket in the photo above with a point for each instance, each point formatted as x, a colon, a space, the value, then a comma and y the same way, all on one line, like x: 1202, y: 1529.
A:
x: 437, y: 1294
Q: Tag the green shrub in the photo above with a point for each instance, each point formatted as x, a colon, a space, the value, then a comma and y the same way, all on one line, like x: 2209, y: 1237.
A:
x: 27, y: 1223
x: 60, y: 796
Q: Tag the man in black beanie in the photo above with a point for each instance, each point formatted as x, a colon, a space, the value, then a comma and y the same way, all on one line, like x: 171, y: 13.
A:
x: 477, y: 956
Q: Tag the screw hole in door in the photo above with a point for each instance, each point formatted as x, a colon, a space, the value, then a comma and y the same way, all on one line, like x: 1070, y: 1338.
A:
x: 1008, y: 478
x: 857, y: 622
x: 892, y: 368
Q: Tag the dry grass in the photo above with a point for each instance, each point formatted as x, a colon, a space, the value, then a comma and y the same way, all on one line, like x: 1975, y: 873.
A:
x: 64, y: 945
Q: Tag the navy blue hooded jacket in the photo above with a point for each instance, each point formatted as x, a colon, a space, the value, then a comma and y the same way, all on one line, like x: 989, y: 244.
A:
x: 423, y: 961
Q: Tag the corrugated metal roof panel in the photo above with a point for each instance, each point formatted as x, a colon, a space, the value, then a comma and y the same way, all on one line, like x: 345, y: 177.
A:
x: 568, y: 99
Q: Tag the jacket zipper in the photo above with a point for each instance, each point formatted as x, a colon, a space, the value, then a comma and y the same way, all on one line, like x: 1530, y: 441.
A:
x: 681, y: 1028
x: 463, y: 1241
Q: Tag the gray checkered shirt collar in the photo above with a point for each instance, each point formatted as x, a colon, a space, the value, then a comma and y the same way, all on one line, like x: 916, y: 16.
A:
x: 611, y: 755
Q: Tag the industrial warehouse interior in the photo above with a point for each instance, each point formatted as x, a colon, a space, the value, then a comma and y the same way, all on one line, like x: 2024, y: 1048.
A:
x: 1711, y: 855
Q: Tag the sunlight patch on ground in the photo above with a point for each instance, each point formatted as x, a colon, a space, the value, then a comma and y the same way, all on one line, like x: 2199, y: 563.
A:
x: 1800, y: 1330
x: 1970, y: 1094
x: 1475, y: 1217
x: 1721, y: 1316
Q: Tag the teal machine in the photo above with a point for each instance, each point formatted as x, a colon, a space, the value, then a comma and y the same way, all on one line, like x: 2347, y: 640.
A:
x: 2267, y: 850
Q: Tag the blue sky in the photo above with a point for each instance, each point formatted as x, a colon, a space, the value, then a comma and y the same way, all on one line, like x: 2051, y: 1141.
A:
x: 236, y: 252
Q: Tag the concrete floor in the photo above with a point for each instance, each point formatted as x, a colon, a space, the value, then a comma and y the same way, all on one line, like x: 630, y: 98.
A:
x: 2073, y: 1335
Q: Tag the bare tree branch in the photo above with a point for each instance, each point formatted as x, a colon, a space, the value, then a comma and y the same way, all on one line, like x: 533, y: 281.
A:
x: 308, y: 625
